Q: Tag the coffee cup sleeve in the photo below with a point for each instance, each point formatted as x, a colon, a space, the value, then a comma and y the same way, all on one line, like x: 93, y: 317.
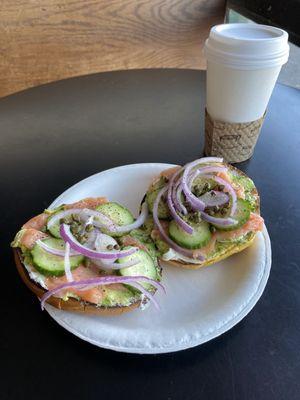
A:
x: 235, y: 142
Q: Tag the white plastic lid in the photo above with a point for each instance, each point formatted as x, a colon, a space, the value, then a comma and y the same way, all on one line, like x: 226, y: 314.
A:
x: 247, y: 46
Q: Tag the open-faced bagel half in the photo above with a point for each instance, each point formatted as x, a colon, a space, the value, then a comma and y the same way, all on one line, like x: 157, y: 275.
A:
x: 230, y: 248
x: 73, y: 258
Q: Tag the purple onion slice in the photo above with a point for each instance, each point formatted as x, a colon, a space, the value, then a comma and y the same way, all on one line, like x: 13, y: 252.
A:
x: 184, y: 225
x: 136, y: 224
x: 75, y: 245
x: 55, y: 252
x: 103, y: 280
x: 67, y: 264
x: 166, y: 238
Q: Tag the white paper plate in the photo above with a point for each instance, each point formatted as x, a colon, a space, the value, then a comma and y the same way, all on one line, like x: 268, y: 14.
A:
x: 199, y: 305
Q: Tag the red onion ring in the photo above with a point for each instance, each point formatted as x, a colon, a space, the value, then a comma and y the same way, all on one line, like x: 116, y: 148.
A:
x: 67, y: 236
x: 190, y: 181
x: 113, y: 265
x: 188, y: 167
x: 231, y: 191
x: 184, y: 184
x: 218, y: 221
x: 206, y: 170
x: 92, y: 236
x: 101, y: 243
x: 67, y: 264
x: 177, y: 191
x: 83, y: 213
x: 56, y: 252
x: 195, y: 203
x: 146, y: 293
x: 103, y: 280
x: 184, y: 225
x: 162, y: 232
x: 174, y: 197
x: 205, y: 160
x: 105, y: 223
x: 136, y: 224
x: 62, y: 214
x: 187, y: 181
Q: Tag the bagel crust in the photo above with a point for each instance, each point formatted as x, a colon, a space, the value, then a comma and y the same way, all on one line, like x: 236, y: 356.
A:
x: 235, y: 248
x: 70, y: 304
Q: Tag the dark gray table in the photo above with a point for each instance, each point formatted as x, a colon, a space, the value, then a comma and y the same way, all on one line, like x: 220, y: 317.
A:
x: 57, y: 134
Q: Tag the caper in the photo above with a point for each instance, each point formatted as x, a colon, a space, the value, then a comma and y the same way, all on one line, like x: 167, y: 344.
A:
x: 83, y: 238
x: 74, y: 229
x: 109, y: 247
x: 116, y: 247
x: 89, y: 228
x: 75, y: 218
x: 75, y: 226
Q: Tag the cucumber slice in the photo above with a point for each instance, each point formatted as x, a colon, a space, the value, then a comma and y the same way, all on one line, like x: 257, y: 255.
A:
x: 242, y: 214
x: 199, y: 238
x: 54, y: 229
x: 144, y: 267
x: 120, y: 215
x: 163, y: 210
x: 49, y: 264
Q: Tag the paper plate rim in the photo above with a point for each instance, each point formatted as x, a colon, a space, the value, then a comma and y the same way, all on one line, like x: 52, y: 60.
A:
x: 57, y: 201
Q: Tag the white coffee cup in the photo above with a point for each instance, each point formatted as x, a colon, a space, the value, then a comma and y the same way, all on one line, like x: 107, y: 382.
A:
x: 243, y: 63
